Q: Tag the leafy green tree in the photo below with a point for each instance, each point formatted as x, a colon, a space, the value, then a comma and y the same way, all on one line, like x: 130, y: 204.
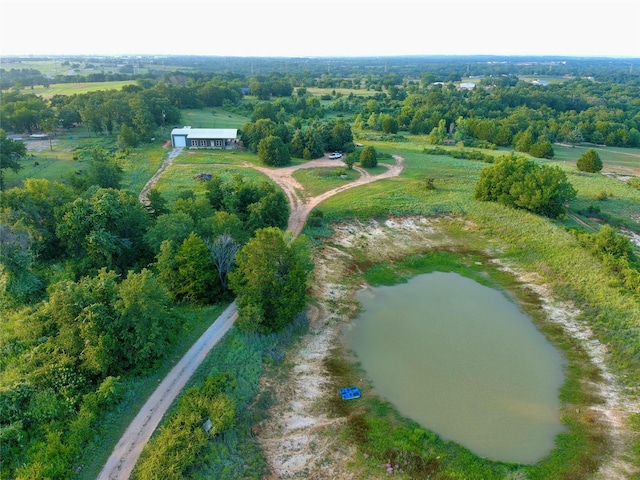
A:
x: 272, y: 210
x: 542, y: 149
x: 350, y: 159
x: 341, y: 138
x: 313, y: 144
x: 574, y: 136
x: 518, y: 182
x: 589, y: 161
x: 157, y: 203
x: 437, y: 134
x: 196, y: 277
x: 522, y: 141
x: 263, y: 110
x: 388, y: 124
x: 296, y: 147
x: 368, y: 157
x: 33, y: 207
x: 175, y: 227
x: 11, y: 151
x: 254, y: 132
x: 215, y: 192
x: 270, y: 280
x: 223, y: 223
x: 18, y: 282
x: 143, y: 321
x: 103, y: 171
x: 105, y: 229
x: 272, y: 151
x: 127, y: 137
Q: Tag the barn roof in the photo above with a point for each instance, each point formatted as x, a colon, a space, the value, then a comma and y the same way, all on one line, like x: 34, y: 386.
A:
x: 196, y: 133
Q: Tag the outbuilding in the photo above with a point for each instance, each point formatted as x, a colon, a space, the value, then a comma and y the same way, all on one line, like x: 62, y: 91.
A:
x: 220, y: 138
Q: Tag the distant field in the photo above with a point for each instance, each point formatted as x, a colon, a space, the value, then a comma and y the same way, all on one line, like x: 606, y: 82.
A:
x: 56, y: 67
x: 620, y: 160
x: 212, y: 118
x: 73, y: 88
x: 344, y: 91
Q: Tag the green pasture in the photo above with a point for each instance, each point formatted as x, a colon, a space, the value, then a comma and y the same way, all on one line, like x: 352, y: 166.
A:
x: 454, y: 180
x: 76, y: 88
x: 140, y: 165
x: 180, y: 178
x: 317, y: 91
x: 70, y: 150
x: 612, y: 157
x: 214, y: 157
x: 46, y: 67
x: 319, y: 180
x: 52, y: 167
x: 56, y: 160
x: 212, y: 118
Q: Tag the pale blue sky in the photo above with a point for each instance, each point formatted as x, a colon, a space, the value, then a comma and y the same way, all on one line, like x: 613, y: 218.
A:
x: 321, y: 28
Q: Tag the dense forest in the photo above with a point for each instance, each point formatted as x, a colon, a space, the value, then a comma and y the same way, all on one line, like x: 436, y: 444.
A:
x: 96, y: 287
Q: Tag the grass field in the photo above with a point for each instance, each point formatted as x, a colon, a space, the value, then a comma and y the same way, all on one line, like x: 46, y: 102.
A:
x: 316, y: 91
x: 319, y: 180
x: 180, y: 178
x: 75, y: 88
x: 212, y: 118
x: 621, y: 160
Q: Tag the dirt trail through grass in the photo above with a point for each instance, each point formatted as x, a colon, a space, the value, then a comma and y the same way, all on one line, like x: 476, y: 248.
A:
x: 126, y: 453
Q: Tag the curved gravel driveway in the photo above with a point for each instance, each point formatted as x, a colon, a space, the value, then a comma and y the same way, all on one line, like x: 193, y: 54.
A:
x: 126, y: 453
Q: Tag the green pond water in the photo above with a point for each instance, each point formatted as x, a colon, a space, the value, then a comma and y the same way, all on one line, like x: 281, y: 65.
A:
x: 463, y: 361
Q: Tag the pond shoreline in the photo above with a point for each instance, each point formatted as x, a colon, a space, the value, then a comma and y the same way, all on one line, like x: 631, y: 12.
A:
x: 302, y: 435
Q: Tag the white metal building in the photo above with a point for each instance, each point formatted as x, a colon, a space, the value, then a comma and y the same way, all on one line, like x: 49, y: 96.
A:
x: 222, y: 138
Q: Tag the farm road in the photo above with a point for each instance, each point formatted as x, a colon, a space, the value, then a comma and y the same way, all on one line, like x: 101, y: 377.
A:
x: 126, y: 453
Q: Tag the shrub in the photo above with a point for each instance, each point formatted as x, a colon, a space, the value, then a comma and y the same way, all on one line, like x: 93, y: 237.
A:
x: 589, y: 161
x: 368, y: 157
x: 518, y: 182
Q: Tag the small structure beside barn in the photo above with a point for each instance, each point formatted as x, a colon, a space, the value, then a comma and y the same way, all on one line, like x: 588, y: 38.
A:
x: 221, y: 138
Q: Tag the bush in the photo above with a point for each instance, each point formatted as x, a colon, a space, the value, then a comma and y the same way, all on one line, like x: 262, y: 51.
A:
x: 634, y: 182
x: 589, y: 161
x: 518, y: 182
x: 368, y: 157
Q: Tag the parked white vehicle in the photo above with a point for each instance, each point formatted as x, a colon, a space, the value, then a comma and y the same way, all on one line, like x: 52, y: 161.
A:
x: 335, y: 155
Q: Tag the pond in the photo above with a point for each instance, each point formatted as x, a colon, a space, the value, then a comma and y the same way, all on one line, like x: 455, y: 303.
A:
x: 462, y: 360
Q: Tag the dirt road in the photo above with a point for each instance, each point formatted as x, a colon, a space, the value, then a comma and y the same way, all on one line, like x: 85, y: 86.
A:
x: 300, y: 209
x: 126, y: 453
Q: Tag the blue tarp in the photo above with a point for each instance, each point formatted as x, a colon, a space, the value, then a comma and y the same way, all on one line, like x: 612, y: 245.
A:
x: 350, y: 392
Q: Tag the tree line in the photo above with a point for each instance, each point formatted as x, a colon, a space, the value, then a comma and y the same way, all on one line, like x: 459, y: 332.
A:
x: 93, y: 289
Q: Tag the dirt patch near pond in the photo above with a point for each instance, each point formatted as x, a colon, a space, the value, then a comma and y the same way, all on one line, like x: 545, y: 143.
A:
x: 301, y: 439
